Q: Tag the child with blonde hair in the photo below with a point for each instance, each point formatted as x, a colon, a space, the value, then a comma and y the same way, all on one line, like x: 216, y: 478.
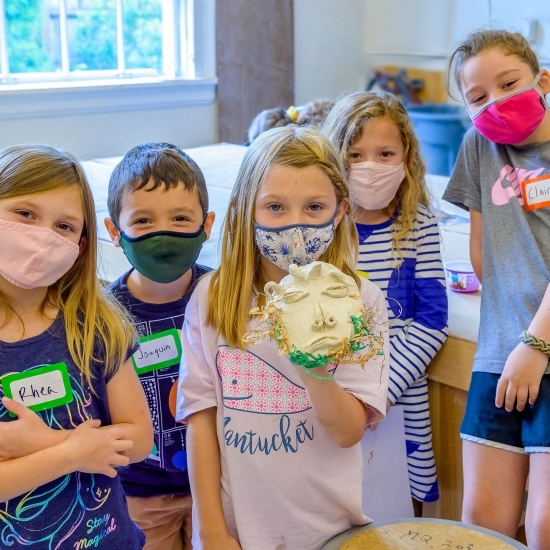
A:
x: 399, y: 250
x: 65, y: 370
x: 502, y: 177
x: 280, y: 465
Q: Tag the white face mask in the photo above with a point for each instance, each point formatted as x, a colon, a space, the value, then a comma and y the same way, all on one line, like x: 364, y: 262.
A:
x: 372, y: 185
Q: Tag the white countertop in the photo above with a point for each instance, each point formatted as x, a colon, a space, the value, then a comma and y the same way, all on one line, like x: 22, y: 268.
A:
x: 463, y: 308
x: 220, y: 164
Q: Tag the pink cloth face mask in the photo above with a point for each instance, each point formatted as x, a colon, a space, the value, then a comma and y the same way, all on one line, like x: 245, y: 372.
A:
x: 372, y: 185
x: 512, y: 118
x: 32, y: 256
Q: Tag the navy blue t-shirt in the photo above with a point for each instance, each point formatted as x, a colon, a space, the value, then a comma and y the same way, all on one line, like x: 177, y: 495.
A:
x: 77, y: 510
x: 164, y: 472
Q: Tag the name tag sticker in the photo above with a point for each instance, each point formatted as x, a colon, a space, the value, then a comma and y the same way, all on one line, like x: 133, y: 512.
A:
x: 158, y: 351
x: 536, y: 193
x: 40, y: 388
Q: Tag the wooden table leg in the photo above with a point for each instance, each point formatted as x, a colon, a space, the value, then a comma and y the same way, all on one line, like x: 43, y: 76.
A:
x: 446, y: 410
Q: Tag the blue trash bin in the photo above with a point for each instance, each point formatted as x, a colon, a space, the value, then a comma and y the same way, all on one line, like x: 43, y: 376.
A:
x: 440, y: 129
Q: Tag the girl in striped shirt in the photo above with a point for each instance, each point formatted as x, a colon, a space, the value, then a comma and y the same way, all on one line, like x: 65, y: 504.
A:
x: 399, y: 250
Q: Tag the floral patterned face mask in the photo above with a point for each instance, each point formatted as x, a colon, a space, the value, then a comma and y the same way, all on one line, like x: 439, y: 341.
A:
x: 294, y: 244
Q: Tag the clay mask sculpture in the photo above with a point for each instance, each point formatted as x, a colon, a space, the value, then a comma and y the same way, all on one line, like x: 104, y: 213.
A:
x: 316, y: 317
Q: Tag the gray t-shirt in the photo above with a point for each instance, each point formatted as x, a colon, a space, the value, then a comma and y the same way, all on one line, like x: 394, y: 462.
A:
x: 516, y: 244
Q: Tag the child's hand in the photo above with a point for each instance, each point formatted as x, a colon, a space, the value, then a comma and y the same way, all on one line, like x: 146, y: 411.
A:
x: 97, y: 451
x: 26, y: 435
x: 373, y: 425
x: 520, y: 379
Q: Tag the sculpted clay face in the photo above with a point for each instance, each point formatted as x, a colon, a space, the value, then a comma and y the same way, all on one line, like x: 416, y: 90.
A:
x: 317, y: 303
x: 316, y: 317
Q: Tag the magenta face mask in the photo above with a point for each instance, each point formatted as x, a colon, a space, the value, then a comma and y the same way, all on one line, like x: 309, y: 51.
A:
x: 512, y: 118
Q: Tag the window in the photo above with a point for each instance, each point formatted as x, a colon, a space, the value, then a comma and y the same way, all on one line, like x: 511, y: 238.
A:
x: 71, y: 57
x: 67, y: 40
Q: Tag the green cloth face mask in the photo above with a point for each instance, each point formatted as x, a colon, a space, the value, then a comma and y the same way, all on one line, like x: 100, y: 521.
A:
x: 163, y: 256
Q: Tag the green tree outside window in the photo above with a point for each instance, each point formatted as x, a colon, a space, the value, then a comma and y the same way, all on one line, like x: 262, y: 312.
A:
x: 34, y: 44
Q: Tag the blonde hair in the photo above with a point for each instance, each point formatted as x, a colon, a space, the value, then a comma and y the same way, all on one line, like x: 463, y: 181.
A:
x: 89, y: 316
x: 240, y: 269
x: 510, y: 43
x: 344, y: 127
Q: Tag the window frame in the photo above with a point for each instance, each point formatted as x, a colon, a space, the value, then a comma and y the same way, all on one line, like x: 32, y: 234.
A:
x: 189, y: 74
x: 3, y: 42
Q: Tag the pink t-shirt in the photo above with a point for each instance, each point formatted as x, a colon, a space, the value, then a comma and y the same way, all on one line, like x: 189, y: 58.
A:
x: 286, y: 485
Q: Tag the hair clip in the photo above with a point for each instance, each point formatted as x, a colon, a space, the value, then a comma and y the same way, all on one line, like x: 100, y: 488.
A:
x: 292, y: 113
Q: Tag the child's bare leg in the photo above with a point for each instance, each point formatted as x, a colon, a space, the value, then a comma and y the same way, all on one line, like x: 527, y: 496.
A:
x: 417, y: 508
x: 494, y: 484
x: 537, y: 518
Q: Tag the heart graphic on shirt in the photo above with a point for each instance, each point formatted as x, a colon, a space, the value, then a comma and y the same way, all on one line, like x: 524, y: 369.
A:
x: 251, y: 385
x: 501, y: 195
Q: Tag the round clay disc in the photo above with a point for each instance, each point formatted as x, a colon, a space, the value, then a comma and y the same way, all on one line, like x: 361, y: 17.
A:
x: 428, y: 536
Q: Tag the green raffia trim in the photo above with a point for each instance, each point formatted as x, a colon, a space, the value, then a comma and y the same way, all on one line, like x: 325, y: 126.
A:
x: 360, y: 331
x: 307, y: 360
x: 304, y: 360
x: 278, y: 337
x: 358, y: 323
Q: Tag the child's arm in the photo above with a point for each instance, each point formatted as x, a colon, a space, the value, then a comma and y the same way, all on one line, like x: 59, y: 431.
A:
x: 343, y: 415
x: 203, y: 454
x: 26, y: 435
x: 520, y: 379
x: 476, y: 234
x: 85, y: 449
x: 127, y: 406
x: 129, y: 410
x: 425, y: 329
x: 198, y: 404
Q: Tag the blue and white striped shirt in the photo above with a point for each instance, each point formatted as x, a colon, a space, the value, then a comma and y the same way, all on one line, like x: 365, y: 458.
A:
x: 414, y: 285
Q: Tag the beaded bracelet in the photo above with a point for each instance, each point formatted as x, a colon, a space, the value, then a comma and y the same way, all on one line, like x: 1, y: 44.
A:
x: 534, y: 342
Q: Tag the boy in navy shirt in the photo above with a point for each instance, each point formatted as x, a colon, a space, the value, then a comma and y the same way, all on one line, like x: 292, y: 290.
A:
x: 158, y: 208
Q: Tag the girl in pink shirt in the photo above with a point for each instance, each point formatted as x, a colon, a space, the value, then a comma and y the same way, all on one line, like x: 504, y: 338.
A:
x: 274, y: 454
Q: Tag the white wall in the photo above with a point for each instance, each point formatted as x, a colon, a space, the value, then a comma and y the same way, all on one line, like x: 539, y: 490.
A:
x: 112, y: 134
x: 337, y: 43
x: 334, y: 43
x: 509, y: 14
x: 422, y: 33
x: 407, y: 34
x: 329, y: 44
